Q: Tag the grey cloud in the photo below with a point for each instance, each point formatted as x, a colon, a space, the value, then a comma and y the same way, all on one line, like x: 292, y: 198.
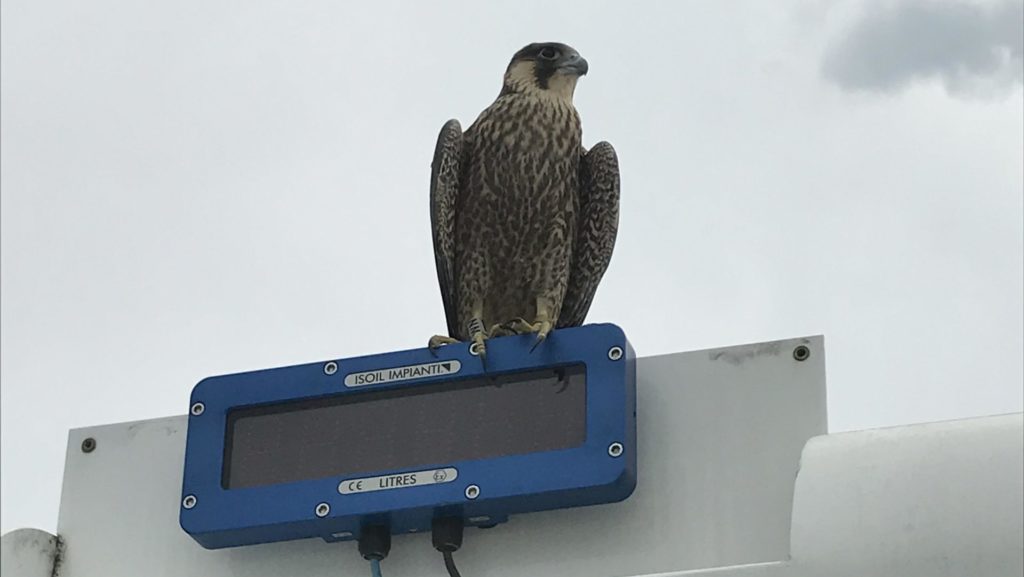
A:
x: 971, y: 48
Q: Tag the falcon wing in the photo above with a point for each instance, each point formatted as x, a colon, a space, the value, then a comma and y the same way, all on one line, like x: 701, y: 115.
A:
x: 596, y: 226
x: 444, y: 193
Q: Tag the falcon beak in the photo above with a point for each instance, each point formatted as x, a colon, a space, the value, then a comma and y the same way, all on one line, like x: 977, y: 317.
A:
x: 576, y: 65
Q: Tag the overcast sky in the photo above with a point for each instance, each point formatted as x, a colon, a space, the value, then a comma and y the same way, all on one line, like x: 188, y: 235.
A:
x: 194, y: 188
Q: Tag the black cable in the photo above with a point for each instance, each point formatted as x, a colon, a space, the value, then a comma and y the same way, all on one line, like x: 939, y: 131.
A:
x: 449, y: 564
x: 446, y: 534
x: 374, y: 545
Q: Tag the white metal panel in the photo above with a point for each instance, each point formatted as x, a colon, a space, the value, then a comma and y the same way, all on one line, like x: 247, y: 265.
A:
x: 774, y: 569
x: 29, y: 553
x: 940, y: 499
x: 720, y: 433
x: 931, y: 500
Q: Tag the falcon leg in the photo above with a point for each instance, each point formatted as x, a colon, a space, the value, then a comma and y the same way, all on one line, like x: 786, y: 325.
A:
x: 478, y: 347
x: 544, y: 324
x: 477, y: 336
x: 438, y: 341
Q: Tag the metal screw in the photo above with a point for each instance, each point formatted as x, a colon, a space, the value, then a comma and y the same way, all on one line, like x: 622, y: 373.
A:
x: 474, y: 349
x: 88, y: 445
x: 322, y: 510
x: 197, y: 409
x: 472, y: 492
x: 615, y: 353
x: 615, y: 449
x: 330, y: 368
x: 189, y: 501
x: 801, y: 353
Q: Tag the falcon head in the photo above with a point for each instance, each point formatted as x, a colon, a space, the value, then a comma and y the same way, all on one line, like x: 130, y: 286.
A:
x: 547, y: 69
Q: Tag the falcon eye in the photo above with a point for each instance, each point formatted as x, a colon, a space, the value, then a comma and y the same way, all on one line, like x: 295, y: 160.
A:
x: 548, y: 53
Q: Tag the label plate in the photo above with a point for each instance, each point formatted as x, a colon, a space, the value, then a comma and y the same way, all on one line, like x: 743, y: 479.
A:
x: 406, y: 373
x: 398, y: 481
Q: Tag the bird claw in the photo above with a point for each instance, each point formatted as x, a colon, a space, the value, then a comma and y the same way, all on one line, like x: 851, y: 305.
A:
x: 537, y: 342
x: 543, y: 329
x: 438, y: 341
x: 520, y: 327
x: 501, y: 330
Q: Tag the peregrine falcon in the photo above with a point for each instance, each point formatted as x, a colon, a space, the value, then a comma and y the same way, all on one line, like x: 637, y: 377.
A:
x: 524, y: 218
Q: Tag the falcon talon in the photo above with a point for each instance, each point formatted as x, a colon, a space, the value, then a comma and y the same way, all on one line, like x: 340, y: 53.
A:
x: 438, y: 341
x: 501, y: 330
x: 520, y: 327
x: 540, y: 339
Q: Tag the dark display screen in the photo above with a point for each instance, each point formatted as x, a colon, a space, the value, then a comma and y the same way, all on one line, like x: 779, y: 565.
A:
x: 359, y: 433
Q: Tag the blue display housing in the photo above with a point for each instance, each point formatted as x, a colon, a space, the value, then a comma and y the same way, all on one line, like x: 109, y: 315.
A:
x: 596, y: 471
